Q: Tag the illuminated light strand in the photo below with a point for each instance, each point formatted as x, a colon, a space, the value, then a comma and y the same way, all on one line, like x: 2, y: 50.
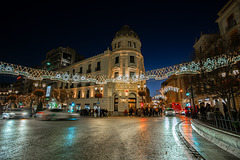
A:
x: 159, y: 74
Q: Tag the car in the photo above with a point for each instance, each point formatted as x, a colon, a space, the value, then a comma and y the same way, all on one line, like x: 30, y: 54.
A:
x: 183, y: 112
x: 56, y: 114
x: 15, y: 113
x: 170, y: 112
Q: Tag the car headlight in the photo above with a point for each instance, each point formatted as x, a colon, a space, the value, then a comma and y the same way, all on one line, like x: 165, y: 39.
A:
x: 173, y: 111
x: 24, y: 113
x: 166, y: 112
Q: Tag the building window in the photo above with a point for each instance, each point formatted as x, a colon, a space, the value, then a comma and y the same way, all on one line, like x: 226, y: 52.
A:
x: 115, y: 74
x: 132, y: 74
x: 115, y: 45
x: 80, y: 71
x: 72, y: 85
x: 129, y: 44
x: 61, y: 86
x: 119, y: 44
x: 79, y: 94
x: 98, y: 68
x: 87, y: 96
x: 89, y: 68
x: 73, y: 71
x: 116, y: 60
x: 131, y: 59
x: 134, y: 45
x: 87, y: 84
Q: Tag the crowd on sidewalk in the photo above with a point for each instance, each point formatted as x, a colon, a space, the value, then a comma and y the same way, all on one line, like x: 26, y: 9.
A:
x: 93, y: 112
x: 144, y: 112
x: 207, y: 111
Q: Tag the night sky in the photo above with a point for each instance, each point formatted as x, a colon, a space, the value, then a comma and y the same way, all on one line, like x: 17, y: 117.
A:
x: 167, y: 29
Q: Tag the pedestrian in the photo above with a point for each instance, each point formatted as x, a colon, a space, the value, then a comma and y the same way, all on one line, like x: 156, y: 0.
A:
x: 131, y: 111
x: 161, y: 110
x: 125, y: 112
x: 96, y: 112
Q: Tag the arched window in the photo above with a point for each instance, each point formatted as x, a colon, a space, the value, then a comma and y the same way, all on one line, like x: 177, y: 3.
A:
x: 119, y: 44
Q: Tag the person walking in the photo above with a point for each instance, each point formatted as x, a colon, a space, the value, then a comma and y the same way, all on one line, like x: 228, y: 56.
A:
x: 125, y: 112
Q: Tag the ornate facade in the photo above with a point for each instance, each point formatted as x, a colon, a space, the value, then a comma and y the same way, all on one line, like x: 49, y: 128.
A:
x: 124, y: 60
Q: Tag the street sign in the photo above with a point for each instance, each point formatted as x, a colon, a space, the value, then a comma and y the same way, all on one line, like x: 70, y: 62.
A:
x: 98, y: 103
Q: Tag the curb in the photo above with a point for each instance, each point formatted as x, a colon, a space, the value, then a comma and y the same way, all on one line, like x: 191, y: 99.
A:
x: 193, y: 151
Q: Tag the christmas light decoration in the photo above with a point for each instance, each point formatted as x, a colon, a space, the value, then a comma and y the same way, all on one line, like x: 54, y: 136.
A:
x: 158, y: 74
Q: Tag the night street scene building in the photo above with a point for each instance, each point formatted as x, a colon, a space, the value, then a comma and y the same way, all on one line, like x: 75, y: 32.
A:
x: 97, y: 80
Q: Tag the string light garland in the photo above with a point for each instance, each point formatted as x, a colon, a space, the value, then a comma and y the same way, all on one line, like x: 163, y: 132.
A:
x: 159, y: 74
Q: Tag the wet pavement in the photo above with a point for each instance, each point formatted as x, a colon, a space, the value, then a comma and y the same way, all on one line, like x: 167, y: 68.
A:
x: 92, y: 138
x: 206, y: 148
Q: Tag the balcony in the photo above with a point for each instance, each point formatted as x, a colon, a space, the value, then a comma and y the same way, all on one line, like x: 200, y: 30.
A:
x: 231, y: 25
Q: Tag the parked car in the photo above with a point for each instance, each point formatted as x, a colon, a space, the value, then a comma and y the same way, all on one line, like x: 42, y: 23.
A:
x: 169, y: 112
x: 55, y: 114
x: 15, y: 113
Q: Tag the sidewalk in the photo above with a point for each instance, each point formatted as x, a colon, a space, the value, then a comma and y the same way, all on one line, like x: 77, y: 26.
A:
x: 206, y: 148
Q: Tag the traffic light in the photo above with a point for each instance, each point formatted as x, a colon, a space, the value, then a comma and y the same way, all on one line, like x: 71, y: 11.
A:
x: 187, y: 94
x: 142, y: 104
x: 20, y: 103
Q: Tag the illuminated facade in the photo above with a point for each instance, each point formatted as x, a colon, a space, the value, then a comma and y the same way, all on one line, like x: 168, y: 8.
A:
x: 125, y: 59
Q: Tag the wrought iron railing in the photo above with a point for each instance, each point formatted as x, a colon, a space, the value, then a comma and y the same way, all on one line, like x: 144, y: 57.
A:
x: 221, y: 122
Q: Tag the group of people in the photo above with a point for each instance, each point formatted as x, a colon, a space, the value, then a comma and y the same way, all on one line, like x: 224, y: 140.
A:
x: 147, y: 111
x: 207, y: 111
x: 94, y: 112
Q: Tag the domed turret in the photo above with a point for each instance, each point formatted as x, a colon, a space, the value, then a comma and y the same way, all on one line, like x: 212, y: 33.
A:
x: 126, y: 31
x: 126, y: 39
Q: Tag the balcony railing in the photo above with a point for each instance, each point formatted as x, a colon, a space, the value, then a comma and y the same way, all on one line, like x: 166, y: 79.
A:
x: 231, y: 25
x: 217, y: 120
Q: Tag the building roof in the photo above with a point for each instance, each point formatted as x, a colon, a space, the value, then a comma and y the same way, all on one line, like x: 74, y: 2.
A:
x: 126, y: 31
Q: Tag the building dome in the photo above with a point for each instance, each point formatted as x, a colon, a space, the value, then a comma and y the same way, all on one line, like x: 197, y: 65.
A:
x: 126, y: 31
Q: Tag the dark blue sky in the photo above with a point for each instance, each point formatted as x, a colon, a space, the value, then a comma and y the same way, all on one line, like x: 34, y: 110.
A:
x: 167, y: 29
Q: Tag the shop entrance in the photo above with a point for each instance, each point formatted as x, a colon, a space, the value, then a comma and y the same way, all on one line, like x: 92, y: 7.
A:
x: 132, y: 101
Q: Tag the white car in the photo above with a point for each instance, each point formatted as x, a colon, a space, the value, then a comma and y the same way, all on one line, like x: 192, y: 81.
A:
x: 55, y: 114
x: 15, y: 113
x: 170, y: 112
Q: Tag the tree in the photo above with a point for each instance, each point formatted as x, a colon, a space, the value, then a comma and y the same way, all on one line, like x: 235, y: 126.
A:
x: 220, y: 81
x: 39, y: 93
x: 62, y: 95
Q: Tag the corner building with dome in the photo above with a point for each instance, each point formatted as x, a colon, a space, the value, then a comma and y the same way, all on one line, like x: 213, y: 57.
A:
x: 125, y: 59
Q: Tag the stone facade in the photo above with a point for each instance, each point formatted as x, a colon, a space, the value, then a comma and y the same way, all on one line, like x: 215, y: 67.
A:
x: 126, y: 60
